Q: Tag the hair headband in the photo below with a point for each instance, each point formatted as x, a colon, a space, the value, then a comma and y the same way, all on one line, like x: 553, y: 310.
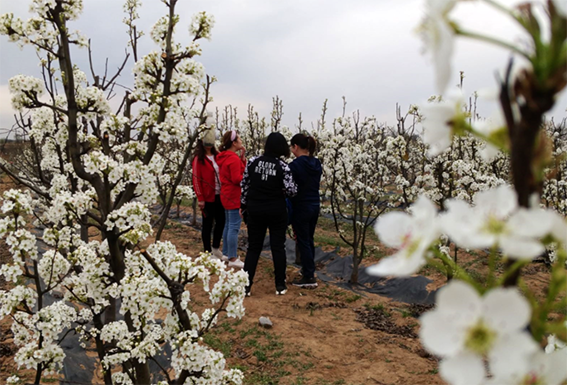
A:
x: 232, y: 135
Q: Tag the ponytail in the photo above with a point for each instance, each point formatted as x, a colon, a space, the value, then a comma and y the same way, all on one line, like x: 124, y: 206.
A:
x: 305, y: 143
x: 311, y: 145
x: 227, y: 139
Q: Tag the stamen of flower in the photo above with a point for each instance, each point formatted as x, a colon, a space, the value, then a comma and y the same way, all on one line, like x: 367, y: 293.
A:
x: 495, y: 226
x: 412, y: 247
x: 480, y: 338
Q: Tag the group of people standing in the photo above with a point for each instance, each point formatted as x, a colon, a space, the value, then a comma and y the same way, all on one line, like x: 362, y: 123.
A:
x: 265, y: 192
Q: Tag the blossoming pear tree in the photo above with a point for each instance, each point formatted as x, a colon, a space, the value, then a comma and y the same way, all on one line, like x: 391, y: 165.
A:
x: 96, y: 169
x: 354, y: 177
x: 493, y: 332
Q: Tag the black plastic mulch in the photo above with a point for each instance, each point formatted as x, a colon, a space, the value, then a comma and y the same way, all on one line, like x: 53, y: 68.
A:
x: 333, y: 268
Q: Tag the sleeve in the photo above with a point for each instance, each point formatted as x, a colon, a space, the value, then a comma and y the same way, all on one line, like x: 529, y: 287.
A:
x: 245, y: 185
x: 197, y: 180
x: 235, y: 171
x: 290, y: 187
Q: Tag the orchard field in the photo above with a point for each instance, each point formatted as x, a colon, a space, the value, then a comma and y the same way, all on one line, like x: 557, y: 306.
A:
x: 101, y: 283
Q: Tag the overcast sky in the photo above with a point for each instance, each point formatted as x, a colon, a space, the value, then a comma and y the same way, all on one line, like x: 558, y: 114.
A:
x: 304, y: 51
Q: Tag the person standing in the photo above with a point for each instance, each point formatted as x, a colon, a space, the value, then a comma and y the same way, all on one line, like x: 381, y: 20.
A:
x: 266, y: 183
x: 231, y: 163
x: 306, y: 170
x: 206, y: 184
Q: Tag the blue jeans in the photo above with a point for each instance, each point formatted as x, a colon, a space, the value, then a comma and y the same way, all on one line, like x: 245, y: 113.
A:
x: 230, y: 233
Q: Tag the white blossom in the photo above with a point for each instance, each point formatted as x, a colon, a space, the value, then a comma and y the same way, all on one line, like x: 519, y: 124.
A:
x: 464, y: 328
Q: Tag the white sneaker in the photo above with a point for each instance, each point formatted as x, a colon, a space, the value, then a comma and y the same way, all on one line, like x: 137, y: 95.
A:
x: 216, y: 253
x: 237, y: 263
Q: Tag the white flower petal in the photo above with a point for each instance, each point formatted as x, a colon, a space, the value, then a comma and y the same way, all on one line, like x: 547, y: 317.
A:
x: 440, y: 335
x: 392, y: 227
x: 460, y: 300
x: 511, y: 354
x: 521, y: 248
x: 399, y: 265
x: 506, y: 310
x: 442, y: 54
x: 499, y: 202
x: 553, y: 367
x: 560, y: 7
x: 534, y: 223
x: 463, y: 369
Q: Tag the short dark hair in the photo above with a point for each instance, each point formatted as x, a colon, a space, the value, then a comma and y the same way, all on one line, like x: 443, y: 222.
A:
x: 305, y: 142
x: 276, y: 145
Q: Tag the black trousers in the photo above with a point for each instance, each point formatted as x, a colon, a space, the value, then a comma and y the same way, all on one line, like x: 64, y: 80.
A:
x: 212, y: 214
x: 304, y: 222
x: 261, y: 218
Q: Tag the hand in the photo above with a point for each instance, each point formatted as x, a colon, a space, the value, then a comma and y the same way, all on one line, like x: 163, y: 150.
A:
x: 201, y: 205
x: 240, y: 212
x: 242, y: 153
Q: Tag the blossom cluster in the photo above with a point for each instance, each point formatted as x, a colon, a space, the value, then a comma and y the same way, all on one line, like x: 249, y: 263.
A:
x: 94, y: 169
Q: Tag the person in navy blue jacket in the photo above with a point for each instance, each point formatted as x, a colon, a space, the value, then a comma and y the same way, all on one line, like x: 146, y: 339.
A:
x: 306, y: 170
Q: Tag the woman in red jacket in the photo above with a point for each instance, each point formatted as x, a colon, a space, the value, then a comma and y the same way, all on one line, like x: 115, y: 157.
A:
x: 231, y: 163
x: 206, y: 184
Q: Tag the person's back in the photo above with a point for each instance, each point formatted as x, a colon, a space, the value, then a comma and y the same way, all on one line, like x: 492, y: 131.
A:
x: 306, y: 170
x: 266, y: 181
x: 307, y: 173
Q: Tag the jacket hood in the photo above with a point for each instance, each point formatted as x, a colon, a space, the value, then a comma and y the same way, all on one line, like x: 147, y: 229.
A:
x: 310, y: 164
x: 224, y: 156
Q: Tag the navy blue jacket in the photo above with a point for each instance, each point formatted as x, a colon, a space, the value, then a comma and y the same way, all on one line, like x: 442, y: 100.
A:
x: 306, y: 172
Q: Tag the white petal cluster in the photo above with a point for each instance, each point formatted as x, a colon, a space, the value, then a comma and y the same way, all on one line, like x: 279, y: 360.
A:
x: 466, y: 328
x: 82, y: 274
x: 495, y: 220
x: 411, y: 234
x: 25, y: 91
x: 132, y: 221
x: 438, y: 120
x: 202, y: 25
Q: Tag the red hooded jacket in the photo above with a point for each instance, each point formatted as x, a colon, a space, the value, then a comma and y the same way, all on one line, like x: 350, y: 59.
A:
x: 231, y: 169
x: 204, y: 179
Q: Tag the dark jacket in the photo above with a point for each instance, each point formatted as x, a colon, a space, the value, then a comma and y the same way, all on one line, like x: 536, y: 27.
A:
x: 266, y: 179
x: 306, y: 172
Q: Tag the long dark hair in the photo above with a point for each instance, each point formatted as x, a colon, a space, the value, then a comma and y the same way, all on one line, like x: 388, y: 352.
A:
x: 200, y: 151
x: 305, y: 143
x: 227, y: 141
x: 276, y: 145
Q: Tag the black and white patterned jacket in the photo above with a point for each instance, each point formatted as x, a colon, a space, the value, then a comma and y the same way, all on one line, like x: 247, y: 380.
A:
x: 265, y: 179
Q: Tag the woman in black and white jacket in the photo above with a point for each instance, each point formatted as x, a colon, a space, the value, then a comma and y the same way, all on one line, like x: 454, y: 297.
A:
x: 267, y: 181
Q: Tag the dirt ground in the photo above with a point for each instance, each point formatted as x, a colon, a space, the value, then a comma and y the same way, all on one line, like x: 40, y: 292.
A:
x: 323, y: 336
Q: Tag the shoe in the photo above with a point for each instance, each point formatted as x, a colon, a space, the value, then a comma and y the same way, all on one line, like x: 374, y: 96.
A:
x: 308, y: 283
x: 281, y: 290
x: 237, y: 263
x: 216, y: 253
x: 247, y: 291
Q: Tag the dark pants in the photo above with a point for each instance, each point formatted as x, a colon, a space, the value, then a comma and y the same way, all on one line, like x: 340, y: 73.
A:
x: 213, y: 213
x: 261, y: 218
x: 304, y: 221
